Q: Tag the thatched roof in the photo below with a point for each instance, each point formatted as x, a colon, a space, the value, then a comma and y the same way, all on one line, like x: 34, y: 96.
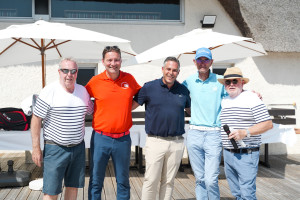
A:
x: 274, y: 23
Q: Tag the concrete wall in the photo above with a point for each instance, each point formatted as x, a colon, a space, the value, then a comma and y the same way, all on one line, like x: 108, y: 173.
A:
x: 274, y: 76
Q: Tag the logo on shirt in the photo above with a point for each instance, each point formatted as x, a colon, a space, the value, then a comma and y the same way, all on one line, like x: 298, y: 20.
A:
x: 180, y: 95
x: 215, y: 88
x: 125, y: 85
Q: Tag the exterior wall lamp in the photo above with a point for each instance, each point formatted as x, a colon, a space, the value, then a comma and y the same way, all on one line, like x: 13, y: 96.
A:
x: 208, y: 21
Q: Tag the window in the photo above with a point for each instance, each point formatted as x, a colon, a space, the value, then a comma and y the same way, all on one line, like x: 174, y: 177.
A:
x: 85, y: 74
x: 219, y: 71
x: 220, y: 68
x: 116, y: 9
x: 41, y: 7
x: 15, y: 8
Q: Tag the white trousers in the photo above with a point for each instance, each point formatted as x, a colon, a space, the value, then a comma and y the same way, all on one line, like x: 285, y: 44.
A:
x: 163, y: 157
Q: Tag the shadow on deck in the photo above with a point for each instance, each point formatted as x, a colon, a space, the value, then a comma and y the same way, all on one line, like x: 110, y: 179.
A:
x: 281, y: 181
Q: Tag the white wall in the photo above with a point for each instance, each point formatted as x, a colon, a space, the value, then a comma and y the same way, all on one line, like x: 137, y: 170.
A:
x: 275, y: 76
x: 18, y: 82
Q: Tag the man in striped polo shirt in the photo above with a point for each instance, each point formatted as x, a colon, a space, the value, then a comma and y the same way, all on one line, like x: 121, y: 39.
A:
x: 248, y: 118
x: 62, y: 107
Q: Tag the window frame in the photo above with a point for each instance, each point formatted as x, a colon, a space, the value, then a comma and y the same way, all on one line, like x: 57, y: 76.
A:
x: 90, y: 20
x: 93, y: 66
x: 25, y: 19
x: 94, y: 21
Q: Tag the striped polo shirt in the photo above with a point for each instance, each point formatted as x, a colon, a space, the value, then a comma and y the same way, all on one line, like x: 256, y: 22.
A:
x: 63, y: 113
x: 242, y: 112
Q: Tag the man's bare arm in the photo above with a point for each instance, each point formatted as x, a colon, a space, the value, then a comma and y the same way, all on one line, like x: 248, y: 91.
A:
x: 254, y: 130
x: 134, y: 105
x: 36, y: 125
x: 188, y: 110
x: 258, y: 94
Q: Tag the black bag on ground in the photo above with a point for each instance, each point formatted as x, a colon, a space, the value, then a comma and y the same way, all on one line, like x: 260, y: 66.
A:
x: 14, y: 119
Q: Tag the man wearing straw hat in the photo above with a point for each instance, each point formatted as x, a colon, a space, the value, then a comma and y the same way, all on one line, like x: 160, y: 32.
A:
x: 248, y: 118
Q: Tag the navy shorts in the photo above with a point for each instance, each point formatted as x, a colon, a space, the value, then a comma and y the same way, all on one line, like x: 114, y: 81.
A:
x: 63, y: 163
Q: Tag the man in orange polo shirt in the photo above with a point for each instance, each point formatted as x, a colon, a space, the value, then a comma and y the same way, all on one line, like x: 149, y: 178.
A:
x: 113, y: 91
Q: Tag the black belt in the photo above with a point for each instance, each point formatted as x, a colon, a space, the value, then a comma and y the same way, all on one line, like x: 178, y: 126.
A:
x: 54, y: 143
x: 249, y: 150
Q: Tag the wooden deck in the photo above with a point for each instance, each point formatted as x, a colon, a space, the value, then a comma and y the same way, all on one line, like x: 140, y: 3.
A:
x: 281, y: 181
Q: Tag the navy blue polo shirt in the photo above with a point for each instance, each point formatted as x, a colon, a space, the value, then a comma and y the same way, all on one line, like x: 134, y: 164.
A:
x: 164, y: 107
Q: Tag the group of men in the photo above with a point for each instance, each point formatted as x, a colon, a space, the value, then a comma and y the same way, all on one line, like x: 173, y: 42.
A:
x: 63, y: 106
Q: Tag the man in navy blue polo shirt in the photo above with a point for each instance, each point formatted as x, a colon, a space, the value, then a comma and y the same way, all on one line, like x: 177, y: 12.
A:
x: 165, y: 101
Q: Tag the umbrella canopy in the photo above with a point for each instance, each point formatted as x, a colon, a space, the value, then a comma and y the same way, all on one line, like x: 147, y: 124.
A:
x: 20, y: 44
x: 223, y: 46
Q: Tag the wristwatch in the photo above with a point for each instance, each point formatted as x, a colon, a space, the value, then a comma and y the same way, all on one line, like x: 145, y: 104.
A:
x: 248, y: 133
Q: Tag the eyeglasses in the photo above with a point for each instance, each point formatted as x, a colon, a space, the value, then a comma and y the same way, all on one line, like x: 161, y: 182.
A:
x: 203, y: 61
x: 66, y: 71
x: 234, y: 81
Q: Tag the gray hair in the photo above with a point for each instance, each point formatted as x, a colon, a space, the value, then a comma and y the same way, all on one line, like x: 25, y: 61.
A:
x: 171, y: 58
x: 67, y: 59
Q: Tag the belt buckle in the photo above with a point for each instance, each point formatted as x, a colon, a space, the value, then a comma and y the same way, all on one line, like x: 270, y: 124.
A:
x: 70, y: 145
x: 236, y: 151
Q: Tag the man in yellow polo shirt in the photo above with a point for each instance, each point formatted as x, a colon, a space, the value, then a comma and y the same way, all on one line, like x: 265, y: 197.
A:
x: 113, y: 91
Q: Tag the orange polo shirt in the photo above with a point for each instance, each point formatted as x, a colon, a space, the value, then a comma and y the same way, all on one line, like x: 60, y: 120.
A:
x: 113, y: 101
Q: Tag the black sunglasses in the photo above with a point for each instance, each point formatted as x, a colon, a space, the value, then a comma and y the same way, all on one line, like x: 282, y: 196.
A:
x: 111, y: 47
x: 234, y: 81
x: 66, y: 71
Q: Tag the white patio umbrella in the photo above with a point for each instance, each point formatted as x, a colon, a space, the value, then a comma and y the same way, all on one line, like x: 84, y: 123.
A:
x: 21, y: 44
x: 223, y: 46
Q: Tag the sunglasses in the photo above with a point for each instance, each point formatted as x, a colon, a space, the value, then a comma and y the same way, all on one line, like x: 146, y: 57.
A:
x: 66, y: 71
x: 203, y: 61
x: 234, y: 81
x: 108, y: 48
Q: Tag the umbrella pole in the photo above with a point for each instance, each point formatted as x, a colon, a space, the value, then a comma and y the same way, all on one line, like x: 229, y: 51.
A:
x: 43, y: 63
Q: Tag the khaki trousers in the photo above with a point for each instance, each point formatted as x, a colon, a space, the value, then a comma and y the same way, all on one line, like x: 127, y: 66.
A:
x: 163, y: 157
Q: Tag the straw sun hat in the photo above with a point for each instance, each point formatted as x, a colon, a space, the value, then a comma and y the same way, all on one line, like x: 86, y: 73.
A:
x: 232, y: 73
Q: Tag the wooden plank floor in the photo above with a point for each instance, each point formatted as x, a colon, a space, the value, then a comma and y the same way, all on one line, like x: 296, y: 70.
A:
x: 281, y: 181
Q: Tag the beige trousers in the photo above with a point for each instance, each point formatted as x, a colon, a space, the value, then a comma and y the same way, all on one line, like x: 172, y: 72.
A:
x: 163, y: 157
